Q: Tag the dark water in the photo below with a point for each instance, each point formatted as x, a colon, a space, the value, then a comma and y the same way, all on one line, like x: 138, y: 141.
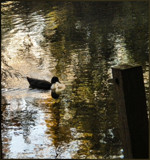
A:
x: 79, y: 42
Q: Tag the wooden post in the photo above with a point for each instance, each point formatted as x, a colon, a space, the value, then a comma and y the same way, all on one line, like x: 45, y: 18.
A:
x: 131, y: 103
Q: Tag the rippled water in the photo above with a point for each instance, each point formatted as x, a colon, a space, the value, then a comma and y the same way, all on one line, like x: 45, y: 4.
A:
x: 79, y: 42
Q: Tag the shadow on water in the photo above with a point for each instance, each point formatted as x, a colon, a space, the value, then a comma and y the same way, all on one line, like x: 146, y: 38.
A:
x: 79, y: 42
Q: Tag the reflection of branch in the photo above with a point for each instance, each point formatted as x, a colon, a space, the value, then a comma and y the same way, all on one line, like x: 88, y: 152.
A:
x: 7, y: 73
x: 27, y: 42
x: 56, y: 154
x: 5, y: 104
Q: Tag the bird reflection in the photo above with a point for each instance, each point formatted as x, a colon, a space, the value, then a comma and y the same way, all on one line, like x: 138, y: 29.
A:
x: 54, y: 95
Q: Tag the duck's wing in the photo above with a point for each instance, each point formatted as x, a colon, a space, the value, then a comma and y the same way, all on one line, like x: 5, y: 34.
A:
x: 37, y: 83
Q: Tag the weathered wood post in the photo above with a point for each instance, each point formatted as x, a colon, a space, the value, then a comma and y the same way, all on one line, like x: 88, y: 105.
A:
x: 131, y: 103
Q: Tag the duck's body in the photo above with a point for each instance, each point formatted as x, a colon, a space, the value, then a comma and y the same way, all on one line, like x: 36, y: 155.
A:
x: 42, y: 84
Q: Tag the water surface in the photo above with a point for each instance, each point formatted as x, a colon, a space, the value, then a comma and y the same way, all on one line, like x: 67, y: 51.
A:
x: 79, y: 42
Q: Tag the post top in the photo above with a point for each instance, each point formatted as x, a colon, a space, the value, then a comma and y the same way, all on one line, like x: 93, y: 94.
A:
x: 125, y: 66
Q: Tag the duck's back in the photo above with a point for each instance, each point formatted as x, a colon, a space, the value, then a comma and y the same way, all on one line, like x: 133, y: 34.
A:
x: 37, y: 83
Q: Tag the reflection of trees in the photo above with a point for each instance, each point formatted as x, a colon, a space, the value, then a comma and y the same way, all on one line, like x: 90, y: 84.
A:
x: 18, y: 47
x: 55, y: 130
x: 132, y: 23
x: 94, y: 105
x: 93, y: 101
x: 7, y: 10
x: 17, y: 120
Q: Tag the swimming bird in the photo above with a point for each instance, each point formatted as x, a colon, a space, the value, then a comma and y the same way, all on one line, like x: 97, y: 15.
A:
x: 43, y: 84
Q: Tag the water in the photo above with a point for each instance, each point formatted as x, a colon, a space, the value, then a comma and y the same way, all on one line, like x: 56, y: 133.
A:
x: 79, y: 42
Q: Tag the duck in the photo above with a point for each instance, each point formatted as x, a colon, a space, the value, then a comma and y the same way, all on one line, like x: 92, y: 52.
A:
x: 43, y: 84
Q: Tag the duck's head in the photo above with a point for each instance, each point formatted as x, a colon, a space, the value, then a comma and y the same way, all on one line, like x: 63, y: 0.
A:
x: 56, y: 86
x: 54, y: 80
